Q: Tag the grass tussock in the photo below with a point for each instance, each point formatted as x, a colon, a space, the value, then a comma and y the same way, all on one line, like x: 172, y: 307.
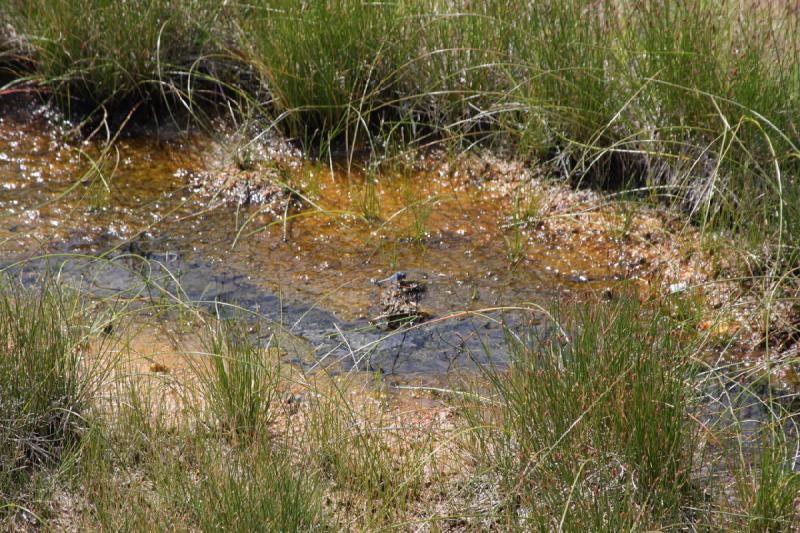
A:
x: 99, y: 52
x: 321, y: 62
x: 47, y: 382
x: 588, y: 430
x: 238, y: 381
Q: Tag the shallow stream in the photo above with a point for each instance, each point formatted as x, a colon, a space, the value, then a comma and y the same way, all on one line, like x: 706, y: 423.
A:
x: 134, y: 222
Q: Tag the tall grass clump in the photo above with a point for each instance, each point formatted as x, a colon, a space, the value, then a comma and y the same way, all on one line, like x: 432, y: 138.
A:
x: 98, y: 52
x: 454, y: 80
x: 710, y: 111
x: 323, y: 64
x: 561, y: 72
x: 238, y: 381
x: 696, y: 101
x: 588, y: 430
x: 46, y: 382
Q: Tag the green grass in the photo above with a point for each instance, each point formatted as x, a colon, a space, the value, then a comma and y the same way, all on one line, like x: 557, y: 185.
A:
x: 769, y: 487
x: 696, y: 104
x: 759, y: 459
x: 262, y: 492
x: 101, y: 52
x: 603, y: 425
x: 598, y: 426
x: 588, y: 431
x: 143, y: 468
x: 322, y: 63
x: 238, y: 381
x: 47, y: 382
x: 374, y: 465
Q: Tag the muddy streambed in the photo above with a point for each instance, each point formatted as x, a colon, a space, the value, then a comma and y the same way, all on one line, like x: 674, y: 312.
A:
x: 139, y: 221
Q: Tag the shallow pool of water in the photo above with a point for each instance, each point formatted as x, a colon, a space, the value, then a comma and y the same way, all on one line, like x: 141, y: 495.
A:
x: 132, y: 222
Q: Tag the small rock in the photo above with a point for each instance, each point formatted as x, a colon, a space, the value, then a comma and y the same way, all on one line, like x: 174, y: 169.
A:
x: 675, y: 288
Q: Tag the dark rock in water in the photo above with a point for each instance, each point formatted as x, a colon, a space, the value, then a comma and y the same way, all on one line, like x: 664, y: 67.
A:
x: 400, y: 301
